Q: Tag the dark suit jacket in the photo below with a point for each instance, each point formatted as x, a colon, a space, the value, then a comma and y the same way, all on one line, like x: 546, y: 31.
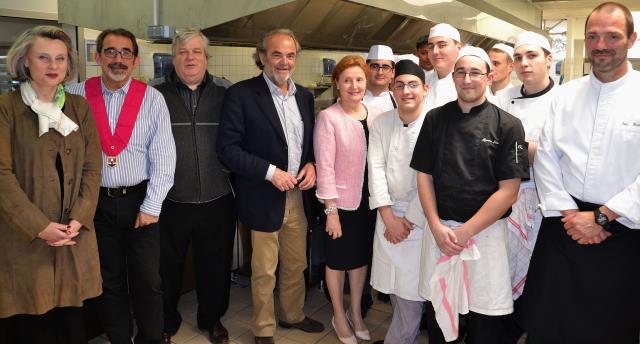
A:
x: 250, y: 138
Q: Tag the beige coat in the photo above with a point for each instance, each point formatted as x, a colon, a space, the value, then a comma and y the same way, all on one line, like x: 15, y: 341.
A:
x: 35, y: 277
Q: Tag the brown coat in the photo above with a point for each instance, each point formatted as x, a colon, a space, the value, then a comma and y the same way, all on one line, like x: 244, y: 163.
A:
x: 35, y: 277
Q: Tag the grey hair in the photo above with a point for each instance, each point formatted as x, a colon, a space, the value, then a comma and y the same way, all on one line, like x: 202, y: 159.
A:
x: 261, y: 47
x: 185, y: 35
x: 20, y: 49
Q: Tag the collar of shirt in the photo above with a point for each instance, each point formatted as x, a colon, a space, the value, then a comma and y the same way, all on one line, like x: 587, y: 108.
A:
x: 537, y: 94
x: 173, y: 77
x: 275, y: 90
x: 597, y: 83
x: 122, y: 90
x: 474, y: 110
x: 368, y: 93
x: 418, y: 121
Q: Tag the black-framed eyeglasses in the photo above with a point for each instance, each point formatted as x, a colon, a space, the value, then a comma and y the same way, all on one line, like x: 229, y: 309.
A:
x: 399, y: 86
x: 112, y: 53
x: 473, y: 75
x: 376, y: 67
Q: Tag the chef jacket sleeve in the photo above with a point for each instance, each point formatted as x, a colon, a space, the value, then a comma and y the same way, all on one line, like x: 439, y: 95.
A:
x: 512, y: 159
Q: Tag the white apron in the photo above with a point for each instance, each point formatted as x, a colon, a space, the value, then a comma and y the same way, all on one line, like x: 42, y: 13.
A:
x: 488, y: 276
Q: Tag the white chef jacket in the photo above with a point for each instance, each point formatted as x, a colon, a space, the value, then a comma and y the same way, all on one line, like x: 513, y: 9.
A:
x: 525, y: 218
x: 428, y: 75
x: 395, y: 268
x: 589, y: 148
x: 382, y: 102
x: 441, y: 91
x: 531, y: 111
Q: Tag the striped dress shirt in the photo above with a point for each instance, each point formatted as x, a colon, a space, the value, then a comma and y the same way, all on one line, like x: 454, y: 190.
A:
x: 292, y: 125
x: 151, y: 152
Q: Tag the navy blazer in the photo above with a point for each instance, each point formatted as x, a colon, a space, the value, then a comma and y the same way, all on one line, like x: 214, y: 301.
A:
x: 250, y: 138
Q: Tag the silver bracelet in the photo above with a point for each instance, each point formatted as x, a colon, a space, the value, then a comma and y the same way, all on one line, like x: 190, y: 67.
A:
x: 330, y: 210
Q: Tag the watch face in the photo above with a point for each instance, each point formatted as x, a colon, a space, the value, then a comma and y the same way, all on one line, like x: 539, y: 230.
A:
x: 602, y: 219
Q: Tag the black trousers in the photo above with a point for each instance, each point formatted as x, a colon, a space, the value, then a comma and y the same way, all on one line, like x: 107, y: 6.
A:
x: 63, y: 325
x: 129, y: 262
x: 480, y: 328
x: 582, y: 294
x: 210, y: 227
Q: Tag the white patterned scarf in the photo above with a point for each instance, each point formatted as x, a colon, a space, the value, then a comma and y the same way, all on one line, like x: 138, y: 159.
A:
x: 50, y: 115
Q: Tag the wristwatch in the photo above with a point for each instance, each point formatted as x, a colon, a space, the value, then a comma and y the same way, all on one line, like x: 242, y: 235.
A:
x: 601, y: 218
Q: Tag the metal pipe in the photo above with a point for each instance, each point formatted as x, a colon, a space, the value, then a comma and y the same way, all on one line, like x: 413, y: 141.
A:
x: 156, y: 11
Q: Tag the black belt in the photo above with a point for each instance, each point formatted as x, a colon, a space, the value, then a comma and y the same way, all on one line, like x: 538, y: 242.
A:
x: 122, y: 191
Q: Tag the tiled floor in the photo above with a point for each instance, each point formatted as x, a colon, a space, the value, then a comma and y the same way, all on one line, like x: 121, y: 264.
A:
x: 238, y: 320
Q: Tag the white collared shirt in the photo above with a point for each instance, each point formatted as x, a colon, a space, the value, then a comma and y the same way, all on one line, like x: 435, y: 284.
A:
x: 589, y: 148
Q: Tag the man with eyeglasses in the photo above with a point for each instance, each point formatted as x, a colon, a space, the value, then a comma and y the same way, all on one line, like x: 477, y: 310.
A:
x: 470, y: 157
x: 443, y: 47
x: 137, y: 173
x: 398, y: 240
x: 381, y: 62
x: 200, y: 208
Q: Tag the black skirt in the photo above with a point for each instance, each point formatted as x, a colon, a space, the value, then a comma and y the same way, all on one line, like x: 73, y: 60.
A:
x: 355, y: 248
x: 582, y: 293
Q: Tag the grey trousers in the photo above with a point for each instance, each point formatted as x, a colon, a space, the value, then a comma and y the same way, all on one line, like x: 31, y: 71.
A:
x: 405, y: 323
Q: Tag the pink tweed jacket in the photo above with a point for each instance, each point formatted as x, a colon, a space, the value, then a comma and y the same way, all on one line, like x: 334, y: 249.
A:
x: 340, y: 150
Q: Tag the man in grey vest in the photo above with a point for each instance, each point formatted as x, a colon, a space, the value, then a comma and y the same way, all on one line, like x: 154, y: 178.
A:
x: 200, y: 207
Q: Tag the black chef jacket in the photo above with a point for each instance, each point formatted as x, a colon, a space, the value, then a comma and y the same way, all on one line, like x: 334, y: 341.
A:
x: 467, y: 154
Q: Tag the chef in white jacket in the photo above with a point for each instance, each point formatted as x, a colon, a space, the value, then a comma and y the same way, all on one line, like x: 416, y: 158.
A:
x: 583, y: 281
x: 530, y: 103
x: 444, y: 45
x: 392, y: 186
x: 381, y: 63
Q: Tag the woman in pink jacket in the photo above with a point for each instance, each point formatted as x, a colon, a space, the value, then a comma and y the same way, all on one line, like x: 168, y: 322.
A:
x: 340, y: 146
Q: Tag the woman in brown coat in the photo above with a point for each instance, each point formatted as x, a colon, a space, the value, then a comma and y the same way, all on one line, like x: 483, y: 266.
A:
x: 49, y: 182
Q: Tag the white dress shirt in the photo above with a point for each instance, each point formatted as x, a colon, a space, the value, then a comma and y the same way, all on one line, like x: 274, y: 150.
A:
x: 589, y: 148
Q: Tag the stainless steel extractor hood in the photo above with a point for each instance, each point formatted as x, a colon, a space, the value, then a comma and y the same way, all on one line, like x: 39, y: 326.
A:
x: 334, y: 24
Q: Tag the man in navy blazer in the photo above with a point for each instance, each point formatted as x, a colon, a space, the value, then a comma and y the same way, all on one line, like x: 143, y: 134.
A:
x: 265, y: 138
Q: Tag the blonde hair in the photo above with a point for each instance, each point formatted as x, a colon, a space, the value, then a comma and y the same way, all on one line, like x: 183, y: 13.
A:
x: 20, y: 49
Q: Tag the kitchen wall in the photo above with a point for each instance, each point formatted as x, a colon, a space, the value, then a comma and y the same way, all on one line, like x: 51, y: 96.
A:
x: 233, y: 63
